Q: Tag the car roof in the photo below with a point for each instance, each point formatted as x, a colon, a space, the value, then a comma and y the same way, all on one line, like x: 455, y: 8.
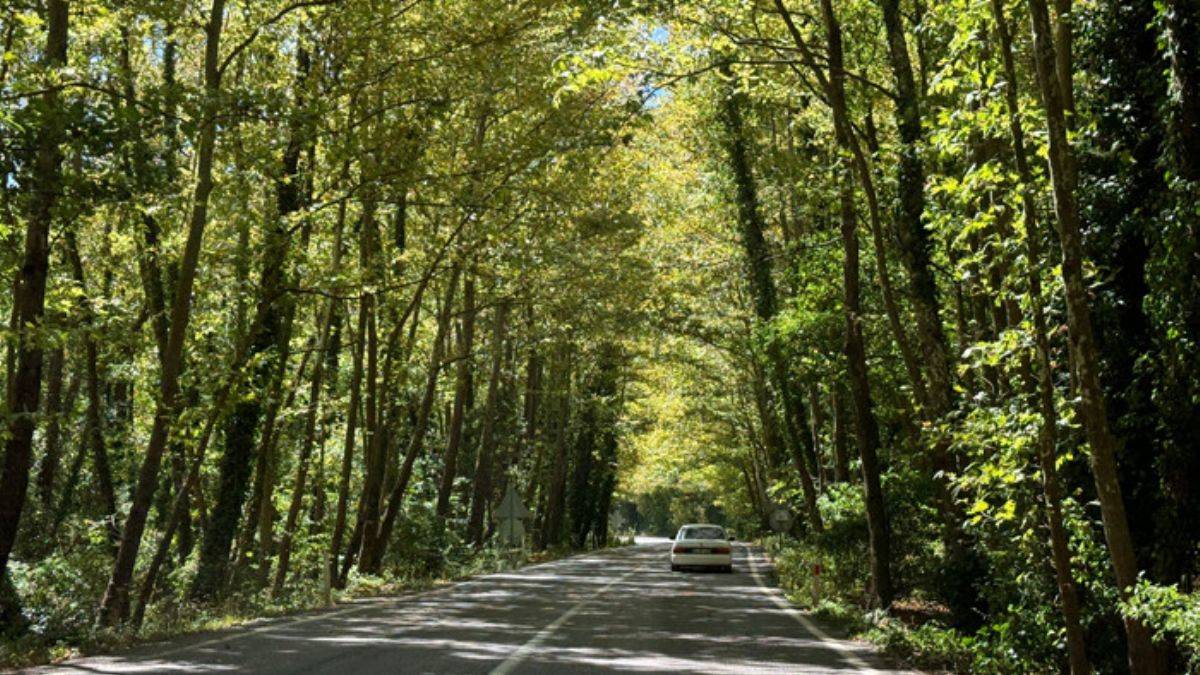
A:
x: 691, y: 525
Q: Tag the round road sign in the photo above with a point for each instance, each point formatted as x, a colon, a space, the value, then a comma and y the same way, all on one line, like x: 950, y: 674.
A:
x: 781, y: 519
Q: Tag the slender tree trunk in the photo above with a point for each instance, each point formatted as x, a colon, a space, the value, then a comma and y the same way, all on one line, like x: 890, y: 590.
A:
x: 818, y: 423
x: 316, y: 386
x: 915, y: 253
x: 866, y: 428
x: 95, y: 405
x: 765, y: 406
x: 915, y: 246
x: 114, y: 608
x: 58, y: 407
x: 482, y: 486
x: 356, y: 371
x: 373, y: 555
x: 1143, y: 656
x: 179, y: 509
x: 841, y: 458
x: 866, y: 180
x: 373, y: 446
x: 29, y: 306
x: 530, y: 415
x: 1048, y: 432
x: 552, y: 524
x: 462, y: 391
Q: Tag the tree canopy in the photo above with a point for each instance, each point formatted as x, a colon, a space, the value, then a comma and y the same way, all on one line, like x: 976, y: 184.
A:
x: 299, y: 288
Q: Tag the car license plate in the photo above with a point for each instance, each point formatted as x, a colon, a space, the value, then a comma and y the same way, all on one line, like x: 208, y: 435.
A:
x: 700, y: 550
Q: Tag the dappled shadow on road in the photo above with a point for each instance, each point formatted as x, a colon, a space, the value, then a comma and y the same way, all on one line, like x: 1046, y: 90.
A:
x: 619, y: 611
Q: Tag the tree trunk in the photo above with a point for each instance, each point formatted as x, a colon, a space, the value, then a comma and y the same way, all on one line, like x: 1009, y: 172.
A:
x: 552, y: 523
x: 765, y: 406
x: 271, y: 331
x: 181, y: 505
x: 29, y: 306
x: 462, y: 392
x: 1144, y: 657
x: 1048, y: 432
x: 762, y: 287
x: 910, y: 226
x: 818, y: 423
x: 343, y: 500
x: 375, y: 545
x: 58, y: 407
x: 866, y: 428
x: 374, y: 441
x: 94, y: 430
x: 482, y: 486
x: 530, y: 414
x: 114, y: 608
x: 841, y: 458
x: 316, y: 386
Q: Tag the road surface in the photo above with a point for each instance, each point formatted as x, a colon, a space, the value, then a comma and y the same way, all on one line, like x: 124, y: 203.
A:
x: 617, y: 611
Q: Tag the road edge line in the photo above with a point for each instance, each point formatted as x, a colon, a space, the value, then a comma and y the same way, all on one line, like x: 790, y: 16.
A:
x: 777, y: 597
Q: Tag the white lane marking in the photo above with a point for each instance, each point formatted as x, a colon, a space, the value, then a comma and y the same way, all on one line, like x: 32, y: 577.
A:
x: 518, y: 657
x: 839, y: 646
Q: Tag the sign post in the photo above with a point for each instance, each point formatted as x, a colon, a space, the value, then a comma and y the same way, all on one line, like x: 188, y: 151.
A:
x: 781, y: 521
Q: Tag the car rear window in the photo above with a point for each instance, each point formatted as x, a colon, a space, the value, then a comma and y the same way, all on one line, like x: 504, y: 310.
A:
x: 703, y: 533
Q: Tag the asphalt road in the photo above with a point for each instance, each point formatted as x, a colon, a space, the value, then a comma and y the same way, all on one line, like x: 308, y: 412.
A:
x: 618, y: 611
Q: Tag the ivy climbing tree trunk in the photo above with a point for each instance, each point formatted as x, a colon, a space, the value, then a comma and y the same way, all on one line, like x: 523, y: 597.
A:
x: 247, y: 426
x: 915, y: 250
x: 762, y: 287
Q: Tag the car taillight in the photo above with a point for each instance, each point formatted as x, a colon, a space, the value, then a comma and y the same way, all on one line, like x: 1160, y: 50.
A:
x: 680, y: 549
x: 721, y: 549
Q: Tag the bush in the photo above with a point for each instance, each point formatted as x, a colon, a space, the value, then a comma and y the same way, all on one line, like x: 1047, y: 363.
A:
x: 1172, y: 615
x: 838, y: 550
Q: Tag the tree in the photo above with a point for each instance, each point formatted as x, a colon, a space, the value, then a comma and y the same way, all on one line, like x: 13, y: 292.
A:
x: 29, y: 304
x: 1085, y: 359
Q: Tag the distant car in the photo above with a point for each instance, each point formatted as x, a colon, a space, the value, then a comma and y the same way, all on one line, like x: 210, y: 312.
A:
x: 699, y: 545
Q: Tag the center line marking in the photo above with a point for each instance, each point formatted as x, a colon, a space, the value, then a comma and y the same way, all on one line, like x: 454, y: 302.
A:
x: 518, y: 657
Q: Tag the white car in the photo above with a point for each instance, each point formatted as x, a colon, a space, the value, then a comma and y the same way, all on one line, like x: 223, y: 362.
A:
x: 699, y: 545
